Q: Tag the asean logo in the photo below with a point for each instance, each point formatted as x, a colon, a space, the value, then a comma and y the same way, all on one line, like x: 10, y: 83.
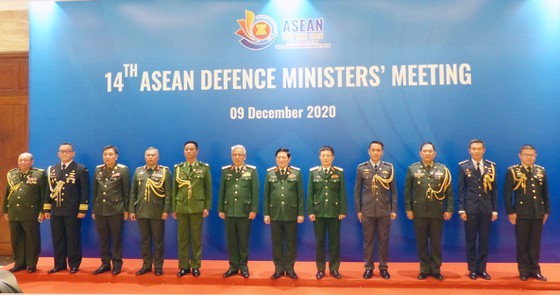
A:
x: 257, y: 31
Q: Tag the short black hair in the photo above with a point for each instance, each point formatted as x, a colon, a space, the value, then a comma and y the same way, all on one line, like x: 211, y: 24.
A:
x: 191, y: 141
x: 476, y: 140
x: 282, y: 149
x: 114, y: 148
x: 376, y: 142
x: 527, y: 147
x: 426, y: 143
x: 327, y: 148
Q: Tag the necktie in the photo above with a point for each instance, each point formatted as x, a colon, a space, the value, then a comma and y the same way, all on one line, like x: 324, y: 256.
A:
x: 478, y: 168
x: 282, y: 171
x: 237, y: 170
x: 63, y: 167
x: 190, y: 169
x: 376, y: 167
x: 530, y: 170
x: 325, y: 170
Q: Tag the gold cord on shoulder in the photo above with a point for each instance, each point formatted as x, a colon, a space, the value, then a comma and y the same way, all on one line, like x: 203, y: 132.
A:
x: 155, y: 186
x: 488, y: 179
x: 13, y: 187
x: 519, y: 181
x: 431, y: 193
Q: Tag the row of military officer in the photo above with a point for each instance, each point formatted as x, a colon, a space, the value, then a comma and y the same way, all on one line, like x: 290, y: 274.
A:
x: 155, y: 192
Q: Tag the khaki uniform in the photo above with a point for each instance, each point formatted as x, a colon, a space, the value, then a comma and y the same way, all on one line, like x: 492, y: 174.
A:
x: 23, y: 202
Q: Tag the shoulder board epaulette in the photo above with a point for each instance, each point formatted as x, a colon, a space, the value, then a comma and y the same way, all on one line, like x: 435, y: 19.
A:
x: 100, y: 165
x: 539, y: 166
x: 387, y: 163
x: 463, y: 162
x: 488, y: 161
x: 271, y: 168
x: 121, y: 165
x: 251, y: 166
x: 13, y: 170
x: 179, y: 164
x: 295, y: 168
x: 38, y: 169
x: 442, y: 165
x: 513, y: 166
x: 314, y: 168
x: 338, y: 168
x: 415, y: 163
x: 363, y: 164
x: 203, y: 164
x: 226, y: 167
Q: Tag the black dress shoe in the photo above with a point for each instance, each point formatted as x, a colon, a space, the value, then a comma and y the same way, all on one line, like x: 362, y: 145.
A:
x: 230, y: 273
x: 540, y: 277
x: 56, y: 269
x: 102, y: 269
x: 32, y: 269
x: 320, y: 274
x: 73, y: 270
x: 17, y: 268
x: 277, y: 275
x: 385, y: 274
x: 472, y: 275
x: 523, y: 276
x: 484, y: 275
x: 245, y: 273
x: 116, y: 271
x: 195, y: 272
x: 368, y: 274
x: 143, y: 271
x: 292, y: 275
x: 158, y: 272
x: 438, y: 276
x: 335, y: 274
x: 422, y: 276
x: 183, y: 272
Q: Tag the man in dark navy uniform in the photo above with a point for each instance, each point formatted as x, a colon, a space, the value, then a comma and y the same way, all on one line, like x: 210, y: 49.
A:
x: 66, y: 204
x: 477, y: 199
x: 528, y: 206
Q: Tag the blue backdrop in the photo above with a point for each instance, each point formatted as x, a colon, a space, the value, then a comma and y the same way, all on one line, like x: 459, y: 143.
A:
x: 142, y: 73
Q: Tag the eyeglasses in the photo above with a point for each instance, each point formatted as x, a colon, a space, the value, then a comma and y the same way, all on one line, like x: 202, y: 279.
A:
x: 529, y: 155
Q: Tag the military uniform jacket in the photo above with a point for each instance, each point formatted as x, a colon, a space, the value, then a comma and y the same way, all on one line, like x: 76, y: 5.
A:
x: 111, y: 190
x: 375, y: 192
x: 239, y: 192
x: 150, y: 194
x: 192, y: 189
x: 68, y: 190
x: 477, y: 193
x: 526, y: 194
x: 326, y: 192
x: 283, y: 194
x: 428, y: 192
x: 24, y: 194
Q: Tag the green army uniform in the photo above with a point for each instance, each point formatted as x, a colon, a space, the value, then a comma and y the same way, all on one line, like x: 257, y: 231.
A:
x: 23, y: 202
x: 111, y: 190
x: 283, y: 202
x: 526, y: 194
x: 326, y: 193
x: 192, y: 194
x: 428, y: 194
x: 238, y: 196
x: 150, y: 197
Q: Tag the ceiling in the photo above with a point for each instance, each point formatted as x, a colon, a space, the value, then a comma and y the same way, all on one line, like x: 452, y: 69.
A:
x: 14, y: 4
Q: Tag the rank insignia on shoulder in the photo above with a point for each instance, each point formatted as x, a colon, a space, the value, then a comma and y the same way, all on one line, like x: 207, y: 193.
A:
x: 314, y: 168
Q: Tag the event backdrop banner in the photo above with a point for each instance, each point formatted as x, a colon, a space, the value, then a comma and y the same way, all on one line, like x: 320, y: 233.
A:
x: 299, y: 74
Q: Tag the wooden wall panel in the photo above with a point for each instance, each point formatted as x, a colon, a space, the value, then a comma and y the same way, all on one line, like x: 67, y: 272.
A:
x: 14, y: 126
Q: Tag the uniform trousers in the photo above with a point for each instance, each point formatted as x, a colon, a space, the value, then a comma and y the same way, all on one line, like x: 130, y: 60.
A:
x: 152, y: 230
x: 324, y: 227
x: 477, y: 229
x: 428, y: 243
x: 26, y: 242
x: 372, y: 226
x: 189, y: 239
x: 528, y: 233
x: 284, y: 245
x: 67, y: 240
x: 109, y: 229
x: 238, y: 230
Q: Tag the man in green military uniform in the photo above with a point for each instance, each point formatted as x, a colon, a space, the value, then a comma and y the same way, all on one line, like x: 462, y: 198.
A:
x: 326, y: 193
x: 150, y: 204
x: 22, y: 208
x: 428, y: 200
x: 527, y: 202
x: 111, y: 190
x: 283, y: 210
x: 192, y: 200
x: 238, y: 204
